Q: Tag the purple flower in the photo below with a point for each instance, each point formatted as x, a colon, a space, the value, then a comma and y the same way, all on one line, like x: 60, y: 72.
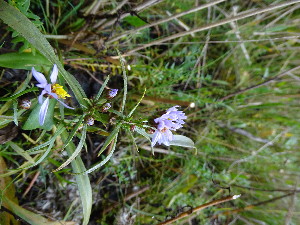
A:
x: 52, y: 90
x: 171, y: 120
x: 112, y: 93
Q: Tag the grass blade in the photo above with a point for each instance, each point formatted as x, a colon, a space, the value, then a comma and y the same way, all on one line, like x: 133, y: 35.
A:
x: 134, y: 108
x: 15, y: 108
x: 110, y: 138
x: 59, y: 130
x: 82, y: 180
x: 102, y: 88
x: 19, y: 94
x: 77, y: 150
x: 144, y: 134
x: 21, y: 152
x: 75, y: 129
x: 106, y: 158
x: 28, y: 216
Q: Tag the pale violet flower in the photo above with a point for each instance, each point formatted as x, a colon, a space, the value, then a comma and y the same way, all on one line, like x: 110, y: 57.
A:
x: 171, y: 120
x: 106, y: 107
x: 112, y: 93
x: 51, y: 90
x: 162, y: 137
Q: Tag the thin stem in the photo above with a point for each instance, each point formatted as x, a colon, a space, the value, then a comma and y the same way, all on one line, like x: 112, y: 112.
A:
x: 165, y: 100
x: 31, y: 183
x: 212, y: 25
x: 249, y: 207
x: 199, y: 208
x: 267, y: 190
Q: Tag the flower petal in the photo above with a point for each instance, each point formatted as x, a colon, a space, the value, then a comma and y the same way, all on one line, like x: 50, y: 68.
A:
x: 39, y: 77
x: 53, y: 95
x: 41, y: 96
x: 43, y: 111
x: 53, y: 76
x: 47, y: 88
x: 65, y: 105
x: 156, y: 136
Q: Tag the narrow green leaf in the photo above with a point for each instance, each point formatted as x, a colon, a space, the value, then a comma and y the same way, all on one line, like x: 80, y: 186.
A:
x: 98, y: 165
x: 77, y: 150
x: 11, y: 172
x: 19, y: 94
x: 183, y: 141
x: 102, y: 88
x: 41, y: 159
x: 132, y: 138
x: 101, y: 117
x: 82, y: 181
x: 144, y: 134
x: 28, y: 216
x: 73, y: 132
x: 70, y: 13
x: 21, y: 88
x: 134, y: 108
x: 24, y: 60
x: 21, y: 151
x: 59, y: 130
x: 15, y: 108
x: 110, y: 138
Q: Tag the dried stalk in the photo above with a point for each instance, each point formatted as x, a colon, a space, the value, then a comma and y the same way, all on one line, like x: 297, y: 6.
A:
x: 267, y: 190
x: 99, y: 23
x: 289, y: 214
x: 246, y: 159
x: 31, y: 183
x: 138, y: 8
x: 242, y: 132
x: 261, y: 84
x: 199, y: 208
x: 166, y: 100
x: 165, y: 20
x: 249, y: 207
x: 212, y: 25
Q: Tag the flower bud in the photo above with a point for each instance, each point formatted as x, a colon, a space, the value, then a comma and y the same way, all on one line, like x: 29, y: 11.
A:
x: 150, y: 131
x: 90, y: 121
x: 132, y: 128
x: 25, y: 104
x: 112, y: 120
x: 80, y: 127
x: 106, y: 107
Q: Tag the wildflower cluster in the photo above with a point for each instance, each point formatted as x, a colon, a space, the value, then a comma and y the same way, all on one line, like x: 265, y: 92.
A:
x: 168, y: 122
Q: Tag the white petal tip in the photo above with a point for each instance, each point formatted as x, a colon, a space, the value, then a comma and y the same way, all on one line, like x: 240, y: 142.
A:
x: 236, y: 196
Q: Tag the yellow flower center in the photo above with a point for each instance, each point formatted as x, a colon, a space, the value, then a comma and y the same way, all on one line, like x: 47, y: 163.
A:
x: 59, y: 90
